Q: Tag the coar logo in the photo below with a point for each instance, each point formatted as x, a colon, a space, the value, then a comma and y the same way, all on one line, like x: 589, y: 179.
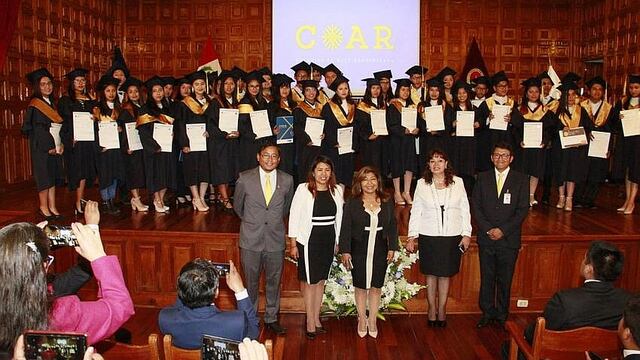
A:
x: 332, y: 37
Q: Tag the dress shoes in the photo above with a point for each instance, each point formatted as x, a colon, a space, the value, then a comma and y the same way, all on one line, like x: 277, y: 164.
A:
x: 484, y: 322
x: 278, y: 329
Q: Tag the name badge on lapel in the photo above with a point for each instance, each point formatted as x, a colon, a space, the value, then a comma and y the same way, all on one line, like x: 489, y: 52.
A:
x: 507, y: 198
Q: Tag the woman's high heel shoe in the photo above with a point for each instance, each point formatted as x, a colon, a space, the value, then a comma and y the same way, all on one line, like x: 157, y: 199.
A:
x: 568, y: 205
x: 372, y: 333
x: 629, y: 211
x: 561, y: 201
x: 621, y: 209
x: 198, y: 205
x: 137, y: 205
x: 362, y: 333
x: 532, y: 200
x: 159, y: 208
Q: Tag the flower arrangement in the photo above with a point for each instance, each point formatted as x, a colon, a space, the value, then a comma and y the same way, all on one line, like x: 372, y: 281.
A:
x: 339, y: 299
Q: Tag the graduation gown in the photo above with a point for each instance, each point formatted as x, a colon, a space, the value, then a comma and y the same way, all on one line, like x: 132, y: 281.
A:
x: 372, y: 152
x: 81, y: 158
x: 305, y: 151
x: 531, y: 161
x: 37, y: 120
x: 438, y: 139
x: 463, y: 149
x: 571, y: 164
x: 287, y: 151
x: 249, y: 145
x: 602, y: 120
x: 487, y: 137
x: 223, y: 152
x: 336, y: 118
x: 134, y: 162
x: 160, y: 167
x: 195, y: 164
x: 403, y: 146
x: 110, y: 162
x: 627, y: 158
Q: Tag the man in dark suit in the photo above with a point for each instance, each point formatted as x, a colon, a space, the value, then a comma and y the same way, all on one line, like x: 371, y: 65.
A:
x: 194, y: 314
x: 262, y: 199
x: 629, y: 329
x: 500, y: 204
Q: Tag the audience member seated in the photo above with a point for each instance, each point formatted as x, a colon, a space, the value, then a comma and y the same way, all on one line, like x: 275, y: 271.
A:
x: 24, y: 261
x: 596, y: 303
x: 194, y: 313
x: 629, y: 329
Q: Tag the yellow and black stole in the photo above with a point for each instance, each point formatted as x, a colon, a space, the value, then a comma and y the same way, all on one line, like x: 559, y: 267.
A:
x: 603, y: 113
x: 46, y: 110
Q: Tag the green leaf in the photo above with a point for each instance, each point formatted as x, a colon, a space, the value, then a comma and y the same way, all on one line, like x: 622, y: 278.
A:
x: 396, y: 306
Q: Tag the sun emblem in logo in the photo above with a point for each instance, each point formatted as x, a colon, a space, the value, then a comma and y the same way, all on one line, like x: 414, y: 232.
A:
x: 332, y: 37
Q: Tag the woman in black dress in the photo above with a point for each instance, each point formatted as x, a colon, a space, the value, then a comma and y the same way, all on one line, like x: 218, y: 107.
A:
x: 404, y: 161
x: 339, y: 113
x: 193, y: 110
x: 306, y: 152
x: 133, y: 159
x: 372, y: 146
x: 110, y: 169
x: 630, y: 154
x: 368, y: 241
x: 314, y: 230
x: 80, y: 156
x: 386, y: 91
x: 160, y: 167
x: 283, y: 105
x: 572, y: 164
x: 40, y: 119
x: 528, y: 160
x: 464, y: 147
x: 223, y: 157
x: 183, y: 194
x: 252, y: 101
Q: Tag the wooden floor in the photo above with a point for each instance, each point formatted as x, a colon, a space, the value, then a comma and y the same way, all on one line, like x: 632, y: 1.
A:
x: 401, y: 336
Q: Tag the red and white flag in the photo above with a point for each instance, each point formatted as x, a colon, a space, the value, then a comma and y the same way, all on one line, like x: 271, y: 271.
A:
x: 474, y: 65
x: 209, y: 60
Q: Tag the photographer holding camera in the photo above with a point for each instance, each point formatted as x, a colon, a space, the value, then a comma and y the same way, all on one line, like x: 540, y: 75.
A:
x: 195, y: 314
x: 25, y: 303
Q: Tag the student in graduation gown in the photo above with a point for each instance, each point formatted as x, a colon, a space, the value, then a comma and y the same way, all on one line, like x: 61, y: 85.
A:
x: 572, y: 164
x: 223, y: 145
x: 463, y: 149
x: 80, y: 156
x: 629, y: 156
x: 306, y: 151
x: 446, y: 75
x: 548, y: 100
x: 300, y: 74
x: 315, y: 72
x: 110, y: 169
x: 133, y: 159
x: 601, y: 115
x: 431, y: 139
x: 252, y: 101
x: 416, y: 74
x: 404, y: 160
x: 368, y: 242
x: 283, y: 105
x: 481, y: 89
x: 531, y: 161
x: 267, y: 76
x: 46, y: 156
x: 339, y: 113
x: 491, y: 137
x: 241, y: 85
x: 167, y: 88
x: 160, y: 167
x: 330, y: 74
x: 384, y: 77
x: 193, y: 109
x: 373, y: 147
x: 183, y: 194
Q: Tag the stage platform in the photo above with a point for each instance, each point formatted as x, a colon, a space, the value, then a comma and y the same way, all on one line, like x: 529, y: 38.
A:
x: 153, y: 247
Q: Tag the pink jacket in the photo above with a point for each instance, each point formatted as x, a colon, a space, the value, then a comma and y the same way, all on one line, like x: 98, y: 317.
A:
x: 101, y: 318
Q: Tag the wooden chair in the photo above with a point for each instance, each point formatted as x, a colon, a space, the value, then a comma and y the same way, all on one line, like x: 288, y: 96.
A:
x: 562, y: 345
x: 110, y: 349
x: 175, y: 353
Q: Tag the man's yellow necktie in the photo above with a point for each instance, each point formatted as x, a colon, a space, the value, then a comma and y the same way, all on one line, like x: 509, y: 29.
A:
x: 267, y: 190
x: 500, y: 183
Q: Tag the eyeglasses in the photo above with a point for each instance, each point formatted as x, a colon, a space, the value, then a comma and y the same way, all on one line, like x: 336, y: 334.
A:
x: 270, y: 156
x: 501, y: 156
x: 49, y: 260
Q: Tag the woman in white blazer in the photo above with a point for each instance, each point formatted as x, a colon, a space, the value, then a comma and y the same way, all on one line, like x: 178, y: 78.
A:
x: 441, y: 221
x: 314, y: 229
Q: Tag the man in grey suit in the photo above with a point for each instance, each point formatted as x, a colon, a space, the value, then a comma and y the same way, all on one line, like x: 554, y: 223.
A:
x: 262, y: 200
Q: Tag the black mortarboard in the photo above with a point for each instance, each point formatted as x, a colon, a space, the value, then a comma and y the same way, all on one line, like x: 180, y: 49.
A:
x: 403, y: 82
x: 634, y: 79
x: 331, y: 68
x: 167, y: 80
x: 280, y: 79
x: 571, y: 77
x: 435, y: 81
x: 482, y: 80
x: 371, y: 81
x: 183, y: 80
x: 76, y: 73
x: 197, y: 75
x: 265, y: 71
x: 107, y: 80
x: 35, y: 76
x: 498, y: 77
x: 460, y: 84
x: 131, y: 81
x: 532, y: 81
x: 228, y: 74
x: 416, y: 69
x: 239, y: 72
x: 339, y: 80
x: 597, y: 80
x: 544, y: 75
x: 212, y: 76
x: 118, y: 63
x: 254, y: 75
x: 446, y: 71
x: 302, y: 65
x: 155, y: 80
x: 316, y: 67
x: 569, y: 85
x: 384, y: 74
x: 309, y: 83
